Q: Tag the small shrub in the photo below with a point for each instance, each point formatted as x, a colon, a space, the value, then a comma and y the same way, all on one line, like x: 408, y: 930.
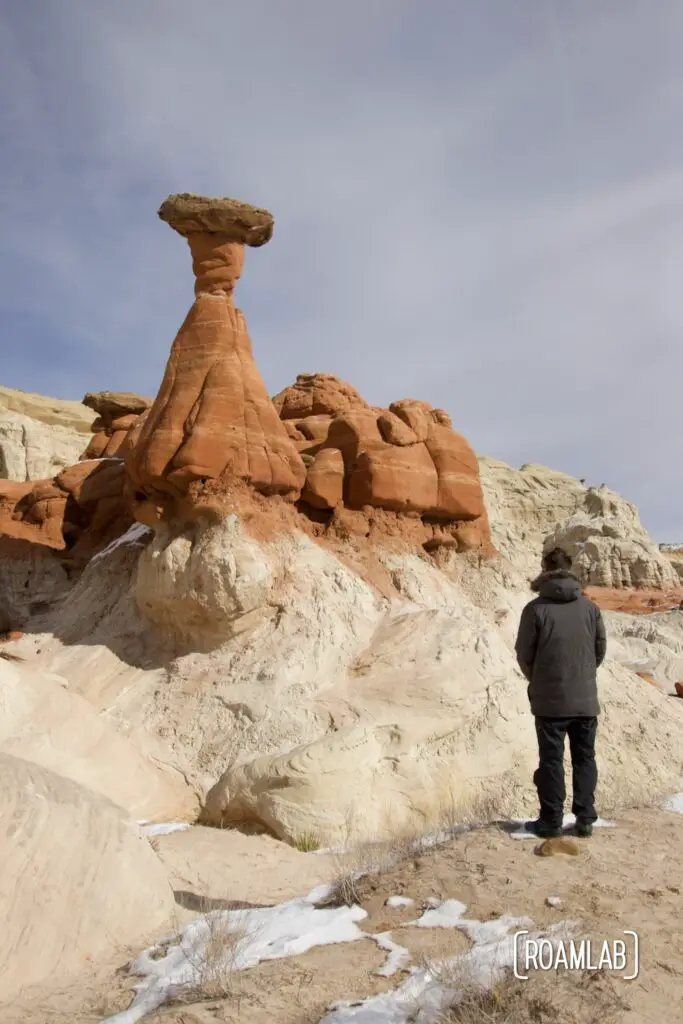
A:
x: 307, y: 842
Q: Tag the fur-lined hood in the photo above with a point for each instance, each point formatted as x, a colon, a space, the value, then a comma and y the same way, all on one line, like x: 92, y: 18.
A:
x: 557, y: 585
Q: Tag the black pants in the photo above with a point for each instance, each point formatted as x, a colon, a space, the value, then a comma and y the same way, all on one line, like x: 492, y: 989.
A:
x: 549, y: 776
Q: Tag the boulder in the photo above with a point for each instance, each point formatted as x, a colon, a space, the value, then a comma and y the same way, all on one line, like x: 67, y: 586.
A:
x: 81, y: 509
x: 119, y: 412
x: 406, y: 459
x: 79, y: 880
x: 325, y: 479
x: 317, y: 394
x: 235, y: 221
x: 112, y: 405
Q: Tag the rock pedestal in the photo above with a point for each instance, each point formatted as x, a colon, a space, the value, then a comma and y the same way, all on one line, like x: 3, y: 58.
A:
x: 212, y: 416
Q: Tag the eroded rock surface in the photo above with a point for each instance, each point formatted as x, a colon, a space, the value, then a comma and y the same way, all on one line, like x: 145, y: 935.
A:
x: 79, y: 880
x: 406, y: 459
x: 212, y: 416
x: 118, y: 413
x: 77, y: 512
x: 39, y: 436
x: 609, y: 546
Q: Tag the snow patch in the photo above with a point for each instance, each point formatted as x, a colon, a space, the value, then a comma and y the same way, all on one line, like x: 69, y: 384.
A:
x: 399, y: 956
x: 266, y: 933
x: 399, y: 901
x: 445, y: 915
x: 163, y: 828
x: 423, y: 998
x: 567, y: 822
x: 674, y: 803
x: 133, y: 535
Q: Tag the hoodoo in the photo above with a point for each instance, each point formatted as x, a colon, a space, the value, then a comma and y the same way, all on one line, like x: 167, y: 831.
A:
x: 212, y: 416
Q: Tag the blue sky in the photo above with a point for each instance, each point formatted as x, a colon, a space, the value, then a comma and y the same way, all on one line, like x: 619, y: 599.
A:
x: 477, y: 204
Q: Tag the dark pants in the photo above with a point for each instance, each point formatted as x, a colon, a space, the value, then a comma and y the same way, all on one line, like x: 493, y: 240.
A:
x: 549, y: 776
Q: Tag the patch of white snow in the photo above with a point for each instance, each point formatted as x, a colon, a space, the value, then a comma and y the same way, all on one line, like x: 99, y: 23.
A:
x: 266, y: 933
x: 133, y: 535
x: 163, y: 828
x: 399, y: 901
x: 568, y: 820
x: 399, y: 956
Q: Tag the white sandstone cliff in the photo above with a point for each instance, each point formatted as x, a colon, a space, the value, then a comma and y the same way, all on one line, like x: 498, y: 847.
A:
x: 40, y: 436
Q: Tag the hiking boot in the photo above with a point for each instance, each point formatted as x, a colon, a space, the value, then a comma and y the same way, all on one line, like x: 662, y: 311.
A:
x: 542, y: 829
x: 584, y: 829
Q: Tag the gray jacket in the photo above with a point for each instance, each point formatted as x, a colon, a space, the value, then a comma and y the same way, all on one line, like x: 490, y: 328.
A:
x: 560, y: 645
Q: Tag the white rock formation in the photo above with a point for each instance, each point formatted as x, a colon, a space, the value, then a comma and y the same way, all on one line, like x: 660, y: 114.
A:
x: 42, y: 722
x: 320, y: 704
x: 524, y: 506
x: 204, y: 585
x: 39, y: 436
x: 78, y: 878
x: 609, y: 546
x: 674, y: 554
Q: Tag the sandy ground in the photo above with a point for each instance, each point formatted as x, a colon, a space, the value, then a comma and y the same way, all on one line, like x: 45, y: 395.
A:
x: 623, y: 878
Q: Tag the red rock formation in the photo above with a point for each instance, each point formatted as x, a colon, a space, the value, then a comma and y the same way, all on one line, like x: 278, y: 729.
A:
x: 317, y: 394
x: 78, y: 512
x: 117, y: 414
x: 636, y: 602
x: 406, y: 459
x: 325, y: 479
x: 679, y: 689
x: 212, y: 416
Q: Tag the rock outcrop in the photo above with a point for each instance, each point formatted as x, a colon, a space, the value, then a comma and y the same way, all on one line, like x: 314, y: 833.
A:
x: 118, y: 413
x: 78, y: 512
x: 39, y: 436
x: 212, y: 416
x: 286, y: 670
x: 42, y: 722
x: 674, y: 554
x: 525, y: 506
x: 79, y: 880
x: 609, y: 546
x: 406, y: 459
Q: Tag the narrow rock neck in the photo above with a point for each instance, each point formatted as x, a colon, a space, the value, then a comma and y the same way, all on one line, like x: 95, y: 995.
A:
x: 217, y: 263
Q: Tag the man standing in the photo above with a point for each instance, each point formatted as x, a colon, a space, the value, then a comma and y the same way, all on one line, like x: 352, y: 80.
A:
x: 560, y: 645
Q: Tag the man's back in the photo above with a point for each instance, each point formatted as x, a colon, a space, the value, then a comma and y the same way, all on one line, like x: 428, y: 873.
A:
x: 560, y: 644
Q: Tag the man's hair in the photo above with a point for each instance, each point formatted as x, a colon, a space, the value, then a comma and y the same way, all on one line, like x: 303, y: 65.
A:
x: 556, y: 559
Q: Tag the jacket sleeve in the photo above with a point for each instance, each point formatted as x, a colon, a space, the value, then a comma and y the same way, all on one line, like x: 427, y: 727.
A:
x: 527, y: 639
x: 600, y: 638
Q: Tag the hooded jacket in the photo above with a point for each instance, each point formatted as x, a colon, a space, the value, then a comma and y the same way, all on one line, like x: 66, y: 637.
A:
x: 560, y: 645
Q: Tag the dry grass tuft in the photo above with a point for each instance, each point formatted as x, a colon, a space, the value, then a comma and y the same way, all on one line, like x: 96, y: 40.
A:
x: 495, y: 996
x: 358, y: 859
x: 544, y: 998
x: 217, y: 960
x: 307, y: 842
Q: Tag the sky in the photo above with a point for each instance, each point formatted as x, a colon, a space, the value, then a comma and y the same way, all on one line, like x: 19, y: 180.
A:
x: 477, y: 203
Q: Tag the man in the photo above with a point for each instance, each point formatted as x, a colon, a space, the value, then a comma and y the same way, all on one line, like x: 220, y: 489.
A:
x: 560, y: 645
